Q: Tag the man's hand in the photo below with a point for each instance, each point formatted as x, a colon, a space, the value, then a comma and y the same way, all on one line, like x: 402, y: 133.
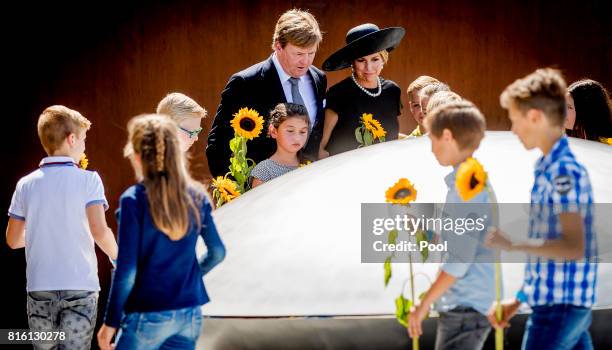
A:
x: 415, y: 320
x: 509, y: 309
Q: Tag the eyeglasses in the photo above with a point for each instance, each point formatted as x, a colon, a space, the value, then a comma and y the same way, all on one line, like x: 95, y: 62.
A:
x: 193, y: 133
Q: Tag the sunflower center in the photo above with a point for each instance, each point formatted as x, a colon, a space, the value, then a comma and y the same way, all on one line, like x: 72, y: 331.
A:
x: 473, y: 181
x: 247, y: 124
x: 403, y: 193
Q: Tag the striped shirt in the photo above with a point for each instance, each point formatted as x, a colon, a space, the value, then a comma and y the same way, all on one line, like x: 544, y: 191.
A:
x: 561, y: 185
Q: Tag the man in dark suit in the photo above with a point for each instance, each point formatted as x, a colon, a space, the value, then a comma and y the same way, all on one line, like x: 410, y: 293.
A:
x: 286, y: 76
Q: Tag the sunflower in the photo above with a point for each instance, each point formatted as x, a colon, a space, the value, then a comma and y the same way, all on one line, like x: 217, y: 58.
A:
x: 227, y: 189
x: 307, y: 162
x: 607, y: 141
x: 247, y: 123
x: 471, y: 179
x: 403, y: 192
x: 373, y: 126
x: 83, y: 162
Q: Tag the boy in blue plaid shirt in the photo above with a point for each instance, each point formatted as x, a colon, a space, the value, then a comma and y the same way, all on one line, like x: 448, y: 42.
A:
x: 561, y: 270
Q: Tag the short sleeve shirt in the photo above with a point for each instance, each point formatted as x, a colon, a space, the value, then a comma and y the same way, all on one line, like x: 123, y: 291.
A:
x: 52, y: 200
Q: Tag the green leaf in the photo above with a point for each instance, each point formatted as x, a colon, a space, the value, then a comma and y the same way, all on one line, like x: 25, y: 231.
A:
x: 381, y: 139
x: 236, y: 166
x: 422, y: 236
x: 240, y: 179
x: 387, y: 270
x: 399, y: 307
x: 359, y: 135
x: 402, y: 310
x: 367, y: 138
x: 235, y: 144
x: 392, y: 236
x: 407, y: 306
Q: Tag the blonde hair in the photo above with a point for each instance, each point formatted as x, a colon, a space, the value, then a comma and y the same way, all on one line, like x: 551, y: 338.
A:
x: 58, y: 122
x: 440, y: 98
x: 384, y: 54
x: 429, y: 90
x: 180, y: 107
x: 174, y: 197
x: 462, y: 118
x: 544, y: 89
x: 297, y: 27
x: 420, y: 83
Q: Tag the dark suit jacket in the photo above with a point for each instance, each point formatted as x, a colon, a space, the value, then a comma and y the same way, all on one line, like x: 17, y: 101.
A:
x: 257, y: 87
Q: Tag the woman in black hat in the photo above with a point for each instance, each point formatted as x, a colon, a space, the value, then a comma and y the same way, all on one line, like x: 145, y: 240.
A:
x: 364, y: 91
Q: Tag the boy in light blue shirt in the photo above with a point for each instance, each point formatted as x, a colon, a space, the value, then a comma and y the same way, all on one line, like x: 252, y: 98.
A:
x: 464, y: 288
x: 63, y: 209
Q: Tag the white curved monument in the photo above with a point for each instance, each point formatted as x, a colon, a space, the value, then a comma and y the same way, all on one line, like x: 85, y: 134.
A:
x: 293, y: 244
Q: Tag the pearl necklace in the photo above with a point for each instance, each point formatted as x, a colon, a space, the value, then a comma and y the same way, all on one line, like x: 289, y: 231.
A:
x: 372, y: 94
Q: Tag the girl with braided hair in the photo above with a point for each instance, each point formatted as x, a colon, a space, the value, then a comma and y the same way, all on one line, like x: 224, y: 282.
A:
x: 158, y: 284
x: 289, y: 124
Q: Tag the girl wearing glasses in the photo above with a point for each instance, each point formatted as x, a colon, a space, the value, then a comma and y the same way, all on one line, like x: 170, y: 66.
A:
x: 187, y: 113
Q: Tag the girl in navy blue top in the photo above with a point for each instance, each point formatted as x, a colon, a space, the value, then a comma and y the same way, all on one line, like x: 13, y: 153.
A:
x: 157, y: 289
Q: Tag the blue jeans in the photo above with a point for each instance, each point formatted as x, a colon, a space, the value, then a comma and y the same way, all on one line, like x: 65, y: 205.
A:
x: 171, y: 329
x: 558, y: 327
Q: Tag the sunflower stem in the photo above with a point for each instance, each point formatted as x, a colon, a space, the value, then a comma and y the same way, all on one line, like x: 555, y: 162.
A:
x: 499, y: 333
x: 415, y: 340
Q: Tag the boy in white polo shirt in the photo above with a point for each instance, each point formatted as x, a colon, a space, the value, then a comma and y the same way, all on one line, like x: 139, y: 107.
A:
x: 63, y: 208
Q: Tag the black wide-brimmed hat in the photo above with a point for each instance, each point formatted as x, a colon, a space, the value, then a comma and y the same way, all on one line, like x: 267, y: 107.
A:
x: 363, y: 40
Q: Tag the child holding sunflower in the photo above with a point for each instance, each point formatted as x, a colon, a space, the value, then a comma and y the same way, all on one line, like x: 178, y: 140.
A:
x: 561, y: 271
x: 460, y: 289
x: 289, y: 124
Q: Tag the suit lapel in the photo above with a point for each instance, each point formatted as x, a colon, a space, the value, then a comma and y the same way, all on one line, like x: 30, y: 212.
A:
x: 319, y: 95
x: 317, y: 83
x: 270, y: 75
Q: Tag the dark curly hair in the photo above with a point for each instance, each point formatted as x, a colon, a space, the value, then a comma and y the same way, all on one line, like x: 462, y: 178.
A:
x: 593, y: 110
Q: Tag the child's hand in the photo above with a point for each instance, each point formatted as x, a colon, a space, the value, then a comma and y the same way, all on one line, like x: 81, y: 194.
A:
x: 509, y: 309
x: 323, y: 153
x: 105, y: 336
x: 497, y: 240
x: 415, y: 319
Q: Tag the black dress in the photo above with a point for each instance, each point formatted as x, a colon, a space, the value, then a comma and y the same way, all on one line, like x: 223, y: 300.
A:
x: 349, y: 102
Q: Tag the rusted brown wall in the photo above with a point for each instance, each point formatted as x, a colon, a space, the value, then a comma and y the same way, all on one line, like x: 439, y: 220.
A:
x: 114, y: 60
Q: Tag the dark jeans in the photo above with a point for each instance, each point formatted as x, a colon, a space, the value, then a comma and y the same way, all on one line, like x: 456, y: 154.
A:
x: 171, y: 329
x: 558, y: 327
x: 462, y: 328
x: 72, y: 311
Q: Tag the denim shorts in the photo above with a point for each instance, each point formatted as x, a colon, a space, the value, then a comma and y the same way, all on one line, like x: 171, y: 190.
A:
x: 170, y: 329
x: 71, y: 311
